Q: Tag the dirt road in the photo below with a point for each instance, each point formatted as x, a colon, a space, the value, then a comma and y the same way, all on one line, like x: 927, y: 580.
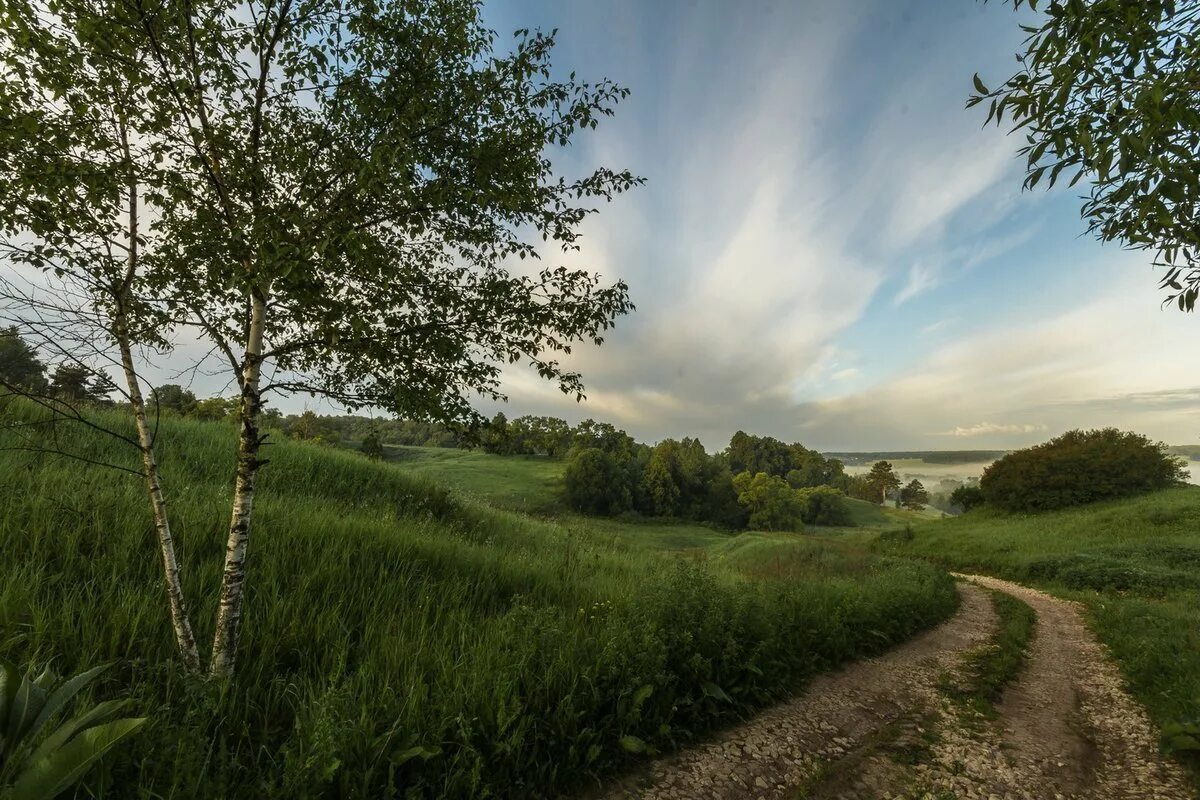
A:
x: 884, y: 727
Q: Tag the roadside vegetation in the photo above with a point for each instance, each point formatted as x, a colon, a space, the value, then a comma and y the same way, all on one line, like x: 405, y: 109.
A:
x: 405, y: 638
x: 1132, y: 562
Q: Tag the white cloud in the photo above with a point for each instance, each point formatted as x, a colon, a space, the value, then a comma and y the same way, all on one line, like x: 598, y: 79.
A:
x: 1112, y: 360
x: 991, y: 428
x: 921, y: 278
x: 940, y: 324
x: 764, y: 231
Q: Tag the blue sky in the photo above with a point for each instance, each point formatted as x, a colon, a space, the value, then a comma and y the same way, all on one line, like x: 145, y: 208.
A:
x: 830, y: 248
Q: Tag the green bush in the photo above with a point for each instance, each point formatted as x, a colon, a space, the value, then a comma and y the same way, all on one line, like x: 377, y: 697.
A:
x: 772, y: 503
x: 824, y: 505
x: 1079, y: 467
x: 967, y: 497
x: 1105, y: 573
x: 596, y: 483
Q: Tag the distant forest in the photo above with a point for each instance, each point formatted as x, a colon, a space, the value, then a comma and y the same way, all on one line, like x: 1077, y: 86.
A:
x: 1191, y: 451
x: 755, y: 481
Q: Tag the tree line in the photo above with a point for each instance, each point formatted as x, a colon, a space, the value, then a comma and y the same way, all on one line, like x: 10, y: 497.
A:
x: 756, y: 481
x: 23, y: 369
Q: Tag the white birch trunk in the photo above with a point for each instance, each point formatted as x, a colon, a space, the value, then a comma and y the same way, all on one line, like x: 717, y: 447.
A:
x: 184, y: 638
x: 180, y: 621
x: 229, y: 609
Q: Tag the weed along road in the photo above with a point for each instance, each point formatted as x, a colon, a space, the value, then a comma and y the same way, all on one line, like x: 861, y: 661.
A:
x: 986, y: 705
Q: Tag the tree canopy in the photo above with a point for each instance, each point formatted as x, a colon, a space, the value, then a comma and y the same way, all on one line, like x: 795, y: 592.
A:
x: 914, y: 496
x: 75, y: 383
x: 773, y: 505
x: 20, y: 366
x: 882, y: 479
x: 1080, y: 467
x: 1106, y: 91
x: 596, y: 483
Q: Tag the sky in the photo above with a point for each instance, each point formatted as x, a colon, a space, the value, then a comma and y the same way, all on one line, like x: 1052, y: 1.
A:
x: 830, y: 249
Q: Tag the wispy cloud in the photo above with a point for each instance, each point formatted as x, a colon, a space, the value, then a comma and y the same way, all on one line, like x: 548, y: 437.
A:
x: 776, y: 210
x: 991, y: 428
x: 939, y: 325
x: 921, y: 278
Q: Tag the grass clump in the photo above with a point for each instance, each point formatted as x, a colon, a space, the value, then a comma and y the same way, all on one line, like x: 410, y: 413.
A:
x: 987, y: 669
x: 402, y: 640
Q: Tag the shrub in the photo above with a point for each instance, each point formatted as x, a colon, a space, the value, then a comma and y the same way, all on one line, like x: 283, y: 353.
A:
x: 372, y: 446
x: 824, y: 505
x: 596, y: 483
x: 914, y: 496
x: 1104, y: 573
x: 966, y: 497
x: 897, y: 535
x: 1079, y: 467
x: 773, y: 505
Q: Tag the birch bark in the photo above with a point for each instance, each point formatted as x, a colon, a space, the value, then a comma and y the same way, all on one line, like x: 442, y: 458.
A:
x: 184, y: 637
x: 232, y: 598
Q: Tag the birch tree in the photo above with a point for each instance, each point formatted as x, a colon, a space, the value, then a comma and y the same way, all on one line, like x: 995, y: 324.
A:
x: 348, y: 197
x: 76, y: 152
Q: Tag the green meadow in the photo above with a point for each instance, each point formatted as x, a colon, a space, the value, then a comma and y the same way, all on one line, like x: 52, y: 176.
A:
x: 519, y: 483
x: 407, y: 634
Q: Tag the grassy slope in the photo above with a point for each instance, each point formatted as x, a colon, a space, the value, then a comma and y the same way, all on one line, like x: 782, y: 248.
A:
x: 399, y: 636
x: 518, y: 483
x: 1134, y: 563
x: 533, y: 483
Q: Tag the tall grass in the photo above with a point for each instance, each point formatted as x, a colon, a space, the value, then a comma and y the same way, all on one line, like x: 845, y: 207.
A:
x: 530, y: 484
x: 403, y: 642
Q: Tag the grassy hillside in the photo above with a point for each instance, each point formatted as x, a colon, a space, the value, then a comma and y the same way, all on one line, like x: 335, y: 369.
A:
x: 1135, y: 563
x: 404, y: 640
x: 518, y: 483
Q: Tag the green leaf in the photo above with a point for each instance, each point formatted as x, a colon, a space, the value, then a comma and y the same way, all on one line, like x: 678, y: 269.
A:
x: 101, y: 712
x: 10, y: 681
x: 422, y: 752
x: 632, y: 744
x: 641, y: 695
x: 63, y: 695
x: 26, y: 705
x: 50, y: 776
x: 1182, y: 742
x: 716, y: 692
x: 979, y: 86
